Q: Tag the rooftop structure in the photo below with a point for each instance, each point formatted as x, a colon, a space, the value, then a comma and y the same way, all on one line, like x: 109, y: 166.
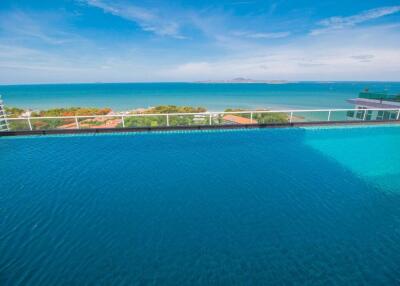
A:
x: 367, y: 99
x: 238, y: 119
x: 375, y: 100
x: 379, y: 96
x: 3, y: 118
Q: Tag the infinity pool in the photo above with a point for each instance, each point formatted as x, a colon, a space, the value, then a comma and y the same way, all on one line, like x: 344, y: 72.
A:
x: 283, y: 206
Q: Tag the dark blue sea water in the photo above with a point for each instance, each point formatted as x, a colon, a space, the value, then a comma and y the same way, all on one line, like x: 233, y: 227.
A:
x: 215, y: 97
x: 260, y: 207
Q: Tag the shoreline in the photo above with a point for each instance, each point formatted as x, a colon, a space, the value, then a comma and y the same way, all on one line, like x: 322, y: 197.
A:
x: 210, y: 109
x: 215, y: 97
x: 29, y: 112
x: 198, y: 128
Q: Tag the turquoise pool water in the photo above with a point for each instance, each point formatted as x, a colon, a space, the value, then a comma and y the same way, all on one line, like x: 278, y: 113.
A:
x: 318, y: 206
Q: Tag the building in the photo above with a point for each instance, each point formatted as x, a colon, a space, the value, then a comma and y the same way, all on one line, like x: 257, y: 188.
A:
x: 374, y: 100
x: 3, y: 118
x: 234, y: 119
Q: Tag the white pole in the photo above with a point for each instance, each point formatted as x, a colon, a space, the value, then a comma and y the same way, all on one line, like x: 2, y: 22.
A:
x: 251, y: 117
x: 6, y: 121
x: 291, y: 117
x: 398, y: 115
x: 123, y: 121
x: 210, y: 119
x: 329, y: 115
x: 167, y: 119
x: 365, y: 114
x: 30, y: 124
x: 76, y: 122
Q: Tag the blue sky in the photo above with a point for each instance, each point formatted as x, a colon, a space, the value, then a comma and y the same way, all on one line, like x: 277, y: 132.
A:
x: 151, y: 40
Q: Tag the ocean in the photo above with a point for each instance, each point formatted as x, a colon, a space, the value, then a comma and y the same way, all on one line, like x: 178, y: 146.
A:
x: 215, y: 97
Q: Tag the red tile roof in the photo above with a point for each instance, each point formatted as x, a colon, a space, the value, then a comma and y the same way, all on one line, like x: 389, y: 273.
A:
x: 238, y: 119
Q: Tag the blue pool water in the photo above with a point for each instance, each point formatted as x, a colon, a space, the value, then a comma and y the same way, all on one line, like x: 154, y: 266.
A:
x: 286, y: 207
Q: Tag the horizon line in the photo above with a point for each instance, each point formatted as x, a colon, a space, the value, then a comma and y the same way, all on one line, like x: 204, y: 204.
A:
x: 267, y: 82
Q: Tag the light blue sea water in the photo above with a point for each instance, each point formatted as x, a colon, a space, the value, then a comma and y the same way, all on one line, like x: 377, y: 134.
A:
x: 259, y: 207
x: 215, y: 97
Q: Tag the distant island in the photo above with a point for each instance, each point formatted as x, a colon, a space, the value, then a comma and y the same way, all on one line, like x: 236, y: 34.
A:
x: 245, y: 80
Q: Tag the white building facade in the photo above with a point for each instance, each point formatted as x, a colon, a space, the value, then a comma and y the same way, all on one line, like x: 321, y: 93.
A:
x: 368, y: 100
x: 3, y: 117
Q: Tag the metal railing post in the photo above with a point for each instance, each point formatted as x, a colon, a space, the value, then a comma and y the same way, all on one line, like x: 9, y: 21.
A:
x: 211, y: 116
x: 7, y: 125
x: 30, y: 124
x: 76, y: 122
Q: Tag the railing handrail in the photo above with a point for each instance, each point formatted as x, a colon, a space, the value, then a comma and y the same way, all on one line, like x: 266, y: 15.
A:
x: 292, y: 114
x: 3, y: 117
x: 208, y: 113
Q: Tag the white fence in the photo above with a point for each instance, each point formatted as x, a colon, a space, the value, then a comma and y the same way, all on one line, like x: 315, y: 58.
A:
x: 3, y: 119
x: 204, y: 118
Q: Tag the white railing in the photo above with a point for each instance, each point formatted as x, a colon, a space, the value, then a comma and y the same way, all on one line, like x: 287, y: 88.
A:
x: 207, y: 118
x: 3, y: 117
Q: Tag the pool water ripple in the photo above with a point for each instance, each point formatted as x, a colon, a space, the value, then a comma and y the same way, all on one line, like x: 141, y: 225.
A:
x: 257, y: 207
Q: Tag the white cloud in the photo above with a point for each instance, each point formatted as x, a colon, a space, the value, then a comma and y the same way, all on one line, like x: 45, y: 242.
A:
x: 258, y: 35
x: 147, y: 20
x: 19, y: 64
x: 292, y: 64
x: 354, y: 53
x: 344, y: 55
x: 336, y: 23
x: 277, y: 35
x: 327, y: 58
x: 363, y: 58
x: 19, y: 25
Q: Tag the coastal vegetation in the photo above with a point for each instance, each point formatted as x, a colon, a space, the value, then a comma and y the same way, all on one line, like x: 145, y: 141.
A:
x: 173, y: 120
x: 18, y: 125
x: 72, y: 111
x: 14, y: 112
x: 42, y: 123
x: 158, y: 116
x: 174, y: 109
x: 263, y: 118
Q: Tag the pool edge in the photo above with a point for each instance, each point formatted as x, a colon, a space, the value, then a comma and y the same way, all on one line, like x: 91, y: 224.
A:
x: 194, y: 127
